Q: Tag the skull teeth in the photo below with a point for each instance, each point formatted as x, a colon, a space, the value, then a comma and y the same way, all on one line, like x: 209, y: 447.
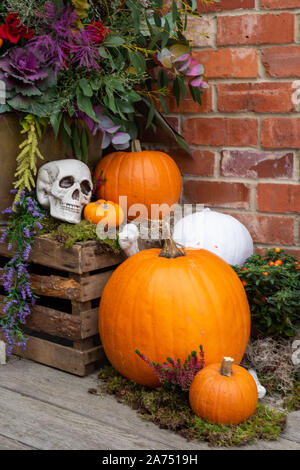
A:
x: 70, y: 207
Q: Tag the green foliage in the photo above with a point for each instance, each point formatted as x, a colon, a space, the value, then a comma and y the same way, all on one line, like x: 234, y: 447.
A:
x: 272, y: 285
x: 170, y: 410
x: 27, y: 158
x: 121, y: 77
x: 69, y: 234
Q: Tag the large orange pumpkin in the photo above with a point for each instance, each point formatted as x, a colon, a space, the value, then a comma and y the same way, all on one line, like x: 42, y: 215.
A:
x: 223, y: 393
x: 145, y: 177
x: 165, y: 304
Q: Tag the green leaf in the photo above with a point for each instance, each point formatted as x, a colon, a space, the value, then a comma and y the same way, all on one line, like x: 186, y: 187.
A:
x: 55, y: 120
x: 86, y: 87
x: 84, y: 104
x: 138, y: 61
x: 113, y: 41
x: 151, y: 114
x: 176, y: 90
x: 85, y: 143
x: 164, y: 104
x: 67, y: 128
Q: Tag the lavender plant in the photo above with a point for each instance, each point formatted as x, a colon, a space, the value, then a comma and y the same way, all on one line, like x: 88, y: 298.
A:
x: 176, y: 373
x: 25, y: 219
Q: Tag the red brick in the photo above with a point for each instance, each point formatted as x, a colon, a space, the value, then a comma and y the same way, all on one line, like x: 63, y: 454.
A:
x: 259, y: 97
x: 282, y: 61
x: 225, y: 5
x: 256, y: 164
x: 189, y: 105
x: 280, y: 4
x: 221, y: 131
x: 280, y: 132
x: 268, y: 229
x: 200, y: 31
x: 229, y: 63
x: 200, y: 163
x: 278, y: 198
x: 255, y: 29
x: 217, y: 193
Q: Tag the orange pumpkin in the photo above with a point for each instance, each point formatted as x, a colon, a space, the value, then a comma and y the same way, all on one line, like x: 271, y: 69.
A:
x: 165, y: 303
x: 145, y: 177
x: 104, y: 212
x: 1, y: 42
x: 223, y: 393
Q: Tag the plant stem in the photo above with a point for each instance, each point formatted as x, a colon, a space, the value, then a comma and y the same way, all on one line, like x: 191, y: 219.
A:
x: 226, y: 366
x: 170, y: 249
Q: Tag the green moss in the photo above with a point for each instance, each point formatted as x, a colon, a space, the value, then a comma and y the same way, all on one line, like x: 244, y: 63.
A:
x: 292, y: 401
x: 69, y: 234
x: 170, y: 410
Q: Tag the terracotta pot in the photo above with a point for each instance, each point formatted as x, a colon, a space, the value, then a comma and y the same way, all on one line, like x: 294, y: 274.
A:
x: 51, y: 149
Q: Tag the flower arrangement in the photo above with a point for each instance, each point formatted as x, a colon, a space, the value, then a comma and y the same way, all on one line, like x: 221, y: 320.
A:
x: 272, y: 284
x: 89, y: 67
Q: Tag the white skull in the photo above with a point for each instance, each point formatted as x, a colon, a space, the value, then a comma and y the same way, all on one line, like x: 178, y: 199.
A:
x: 64, y: 186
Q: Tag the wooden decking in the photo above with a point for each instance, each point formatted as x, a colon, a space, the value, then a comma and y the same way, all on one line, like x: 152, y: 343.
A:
x: 43, y: 408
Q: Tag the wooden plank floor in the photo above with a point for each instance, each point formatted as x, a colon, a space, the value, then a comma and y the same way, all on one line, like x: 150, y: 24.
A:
x: 43, y: 408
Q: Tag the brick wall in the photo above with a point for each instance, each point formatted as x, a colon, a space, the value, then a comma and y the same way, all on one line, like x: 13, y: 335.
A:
x: 246, y: 135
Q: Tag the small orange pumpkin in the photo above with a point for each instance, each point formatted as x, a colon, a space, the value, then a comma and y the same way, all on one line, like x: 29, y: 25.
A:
x: 104, y: 212
x: 223, y: 393
x: 1, y: 42
x: 144, y: 177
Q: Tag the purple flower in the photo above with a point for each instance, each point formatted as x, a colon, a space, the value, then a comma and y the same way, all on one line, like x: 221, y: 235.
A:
x: 85, y: 51
x: 105, y: 125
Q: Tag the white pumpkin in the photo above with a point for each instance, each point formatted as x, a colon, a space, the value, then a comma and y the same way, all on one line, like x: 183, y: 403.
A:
x: 219, y: 233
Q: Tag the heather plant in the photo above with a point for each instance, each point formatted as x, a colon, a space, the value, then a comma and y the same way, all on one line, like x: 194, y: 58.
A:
x: 272, y: 285
x: 176, y: 373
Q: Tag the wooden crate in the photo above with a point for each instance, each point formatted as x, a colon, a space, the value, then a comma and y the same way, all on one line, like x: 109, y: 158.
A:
x: 62, y: 329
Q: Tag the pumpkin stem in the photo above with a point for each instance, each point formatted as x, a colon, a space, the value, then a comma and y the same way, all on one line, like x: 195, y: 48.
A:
x: 170, y: 249
x: 226, y: 366
x: 136, y: 146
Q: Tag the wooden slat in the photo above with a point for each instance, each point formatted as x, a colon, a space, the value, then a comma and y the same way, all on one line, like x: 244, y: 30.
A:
x: 80, y: 258
x: 55, y: 323
x: 52, y: 254
x: 93, y: 257
x: 58, y: 356
x: 89, y: 323
x: 54, y: 286
x: 92, y: 286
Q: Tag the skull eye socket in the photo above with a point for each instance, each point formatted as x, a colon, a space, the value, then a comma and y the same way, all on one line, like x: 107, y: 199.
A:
x: 66, y: 182
x: 86, y: 187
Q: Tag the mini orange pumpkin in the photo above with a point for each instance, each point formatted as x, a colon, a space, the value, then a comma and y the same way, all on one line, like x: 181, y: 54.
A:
x: 144, y: 177
x: 104, y: 212
x: 1, y: 42
x: 223, y: 393
x: 165, y: 303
